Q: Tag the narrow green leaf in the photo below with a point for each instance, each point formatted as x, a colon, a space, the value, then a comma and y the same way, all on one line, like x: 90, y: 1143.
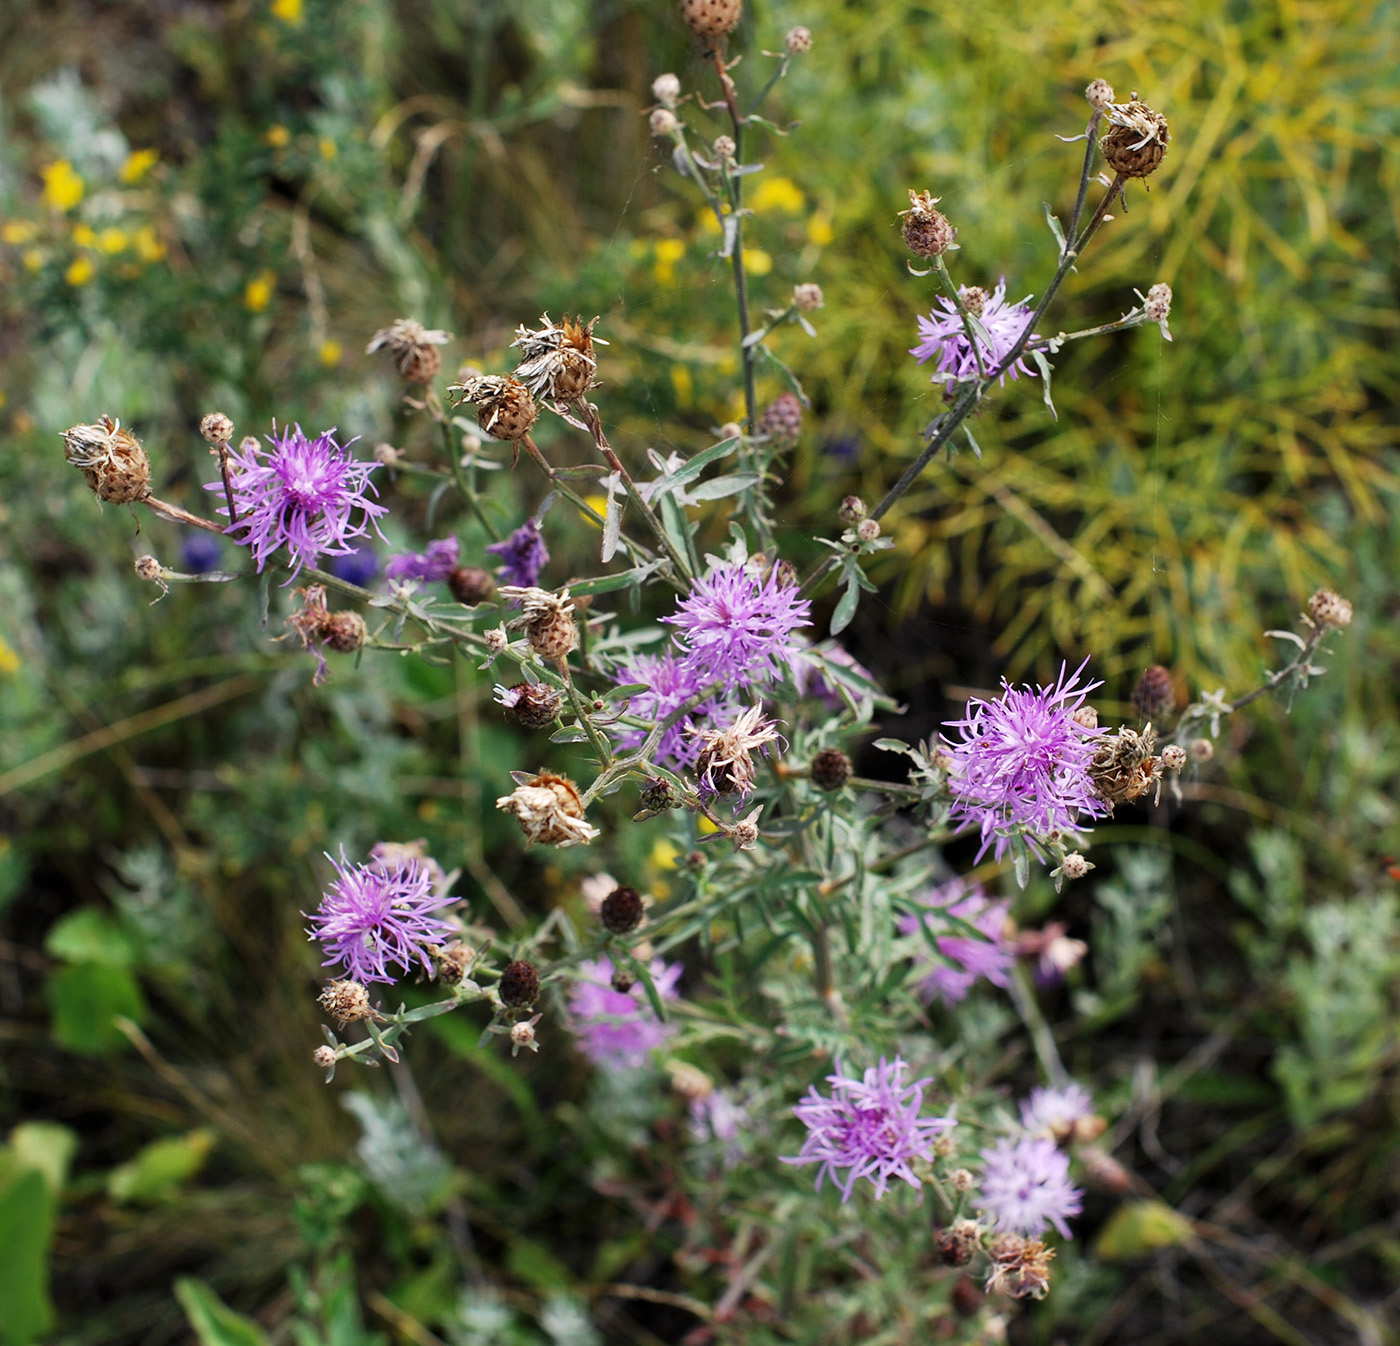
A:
x: 214, y: 1323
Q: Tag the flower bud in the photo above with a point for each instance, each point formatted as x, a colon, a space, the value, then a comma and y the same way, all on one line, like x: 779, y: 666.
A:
x: 663, y: 122
x: 1173, y: 758
x: 1154, y: 695
x: 831, y: 769
x: 1202, y: 750
x: 974, y: 299
x: 867, y: 530
x: 470, y: 585
x: 798, y: 39
x: 666, y: 89
x: 324, y: 1057
x: 1099, y: 93
x: 1327, y: 608
x: 1074, y: 866
x: 623, y: 981
x: 725, y: 148
x: 519, y: 986
x: 1086, y: 717
x: 216, y: 428
x: 523, y: 1035
x: 852, y: 510
x: 808, y: 297
x: 148, y: 568
x: 712, y: 18
x: 622, y: 910
x: 781, y: 420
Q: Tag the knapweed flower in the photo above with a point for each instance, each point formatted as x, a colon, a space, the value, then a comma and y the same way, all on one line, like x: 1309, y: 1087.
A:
x: 431, y: 566
x: 549, y: 809
x: 308, y: 495
x: 414, y: 349
x: 1022, y: 764
x: 669, y: 685
x: 738, y: 628
x: 869, y: 1126
x: 1054, y: 1112
x: 1026, y: 1186
x: 965, y: 958
x: 321, y: 629
x: 618, y: 1031
x: 360, y: 565
x: 373, y: 918
x: 199, y: 553
x: 558, y: 363
x: 725, y: 765
x: 942, y: 334
x: 523, y: 556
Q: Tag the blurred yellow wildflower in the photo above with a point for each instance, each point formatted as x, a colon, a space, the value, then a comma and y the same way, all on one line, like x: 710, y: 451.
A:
x: 148, y: 247
x: 9, y: 663
x: 138, y: 164
x: 3, y: 399
x: 683, y: 384
x: 668, y: 252
x: 705, y: 826
x: 33, y: 259
x: 757, y: 262
x: 16, y: 232
x: 598, y: 503
x: 257, y: 294
x: 328, y: 148
x: 112, y: 241
x: 277, y: 136
x: 63, y: 188
x: 289, y: 11
x: 777, y: 194
x: 80, y: 271
x: 819, y: 230
x: 84, y: 236
x: 330, y: 352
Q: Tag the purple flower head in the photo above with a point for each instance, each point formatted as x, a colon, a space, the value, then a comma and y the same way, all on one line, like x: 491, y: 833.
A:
x: 303, y: 494
x: 720, y: 1120
x: 377, y: 915
x: 736, y: 627
x: 199, y: 553
x: 669, y: 684
x: 432, y: 566
x: 870, y: 1127
x: 1022, y: 764
x: 359, y: 566
x: 618, y: 1031
x: 523, y: 555
x: 1026, y: 1186
x: 942, y: 334
x: 1056, y: 1110
x: 965, y: 958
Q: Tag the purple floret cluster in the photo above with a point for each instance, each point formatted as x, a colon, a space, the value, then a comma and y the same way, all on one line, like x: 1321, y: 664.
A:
x: 431, y: 566
x: 965, y: 958
x: 670, y: 684
x: 377, y: 917
x: 523, y: 556
x: 1026, y: 1188
x: 870, y: 1127
x: 308, y: 495
x: 1021, y: 765
x: 617, y: 1030
x: 943, y: 335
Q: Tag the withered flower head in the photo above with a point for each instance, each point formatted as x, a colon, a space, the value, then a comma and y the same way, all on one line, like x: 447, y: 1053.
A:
x: 725, y: 764
x: 926, y: 230
x: 1020, y: 1267
x: 413, y: 348
x: 1327, y: 608
x: 712, y: 18
x: 547, y: 618
x: 549, y: 809
x: 1124, y: 767
x: 504, y: 407
x: 112, y: 460
x: 558, y: 363
x: 347, y: 1002
x: 533, y: 704
x: 321, y: 630
x: 1137, y: 140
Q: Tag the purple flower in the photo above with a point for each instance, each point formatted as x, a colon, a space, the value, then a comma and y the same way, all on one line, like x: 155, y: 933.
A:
x: 1026, y: 1186
x: 359, y: 566
x: 199, y: 553
x: 523, y: 555
x: 870, y: 1127
x: 669, y: 684
x: 303, y: 494
x: 737, y: 628
x: 1022, y: 764
x: 942, y: 334
x: 965, y: 957
x: 719, y: 1119
x: 376, y: 915
x: 1056, y: 1110
x: 618, y: 1031
x: 431, y: 566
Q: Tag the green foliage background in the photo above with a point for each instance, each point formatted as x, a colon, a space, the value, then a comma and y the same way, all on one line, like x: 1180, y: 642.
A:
x: 168, y: 778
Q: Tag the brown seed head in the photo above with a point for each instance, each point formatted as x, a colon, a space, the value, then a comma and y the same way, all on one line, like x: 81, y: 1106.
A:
x: 519, y: 986
x: 216, y: 428
x: 112, y: 460
x: 470, y: 585
x: 452, y: 961
x: 557, y: 363
x: 1153, y: 695
x: 725, y: 765
x: 623, y: 981
x: 547, y: 618
x: 712, y: 18
x: 347, y: 1002
x: 622, y: 910
x: 1124, y: 767
x: 831, y: 769
x: 414, y: 349
x: 533, y: 704
x: 1327, y: 608
x: 927, y: 232
x: 549, y: 809
x: 1137, y: 139
x: 504, y: 407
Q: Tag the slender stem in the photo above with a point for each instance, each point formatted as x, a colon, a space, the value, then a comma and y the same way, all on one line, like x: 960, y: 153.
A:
x: 177, y: 515
x: 459, y: 478
x: 1042, y: 1039
x: 600, y: 746
x: 972, y: 339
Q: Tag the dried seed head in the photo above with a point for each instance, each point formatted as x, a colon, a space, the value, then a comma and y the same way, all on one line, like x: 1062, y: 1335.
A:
x: 549, y: 810
x: 414, y: 349
x: 112, y: 460
x: 496, y: 640
x: 148, y: 568
x: 548, y: 620
x: 347, y: 1002
x: 622, y: 910
x: 927, y: 232
x: 532, y: 704
x: 725, y: 148
x: 961, y: 1180
x: 744, y: 833
x: 867, y: 530
x: 1099, y: 93
x: 623, y: 981
x: 1327, y: 608
x: 974, y: 299
x: 666, y: 89
x: 1173, y: 758
x: 808, y: 297
x: 1086, y: 717
x: 725, y: 765
x: 557, y: 363
x: 1153, y: 695
x: 953, y: 1248
x: 1202, y: 750
x: 1137, y: 140
x: 852, y: 510
x: 712, y: 18
x: 1020, y: 1267
x: 320, y: 629
x: 662, y: 122
x: 1074, y: 866
x: 470, y: 585
x: 452, y: 961
x: 1124, y: 768
x: 519, y: 986
x: 216, y: 428
x: 831, y: 769
x: 345, y: 632
x: 781, y: 420
x: 798, y: 39
x: 504, y: 407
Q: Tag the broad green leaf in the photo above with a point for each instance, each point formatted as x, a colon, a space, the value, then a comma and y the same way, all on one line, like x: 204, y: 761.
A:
x: 160, y: 1167
x: 1139, y: 1228
x: 91, y: 936
x: 85, y: 999
x: 45, y: 1147
x: 26, y: 1225
x: 214, y: 1323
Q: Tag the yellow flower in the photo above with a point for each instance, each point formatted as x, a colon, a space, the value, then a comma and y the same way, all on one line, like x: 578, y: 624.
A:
x: 3, y: 399
x: 819, y: 230
x: 757, y: 262
x: 112, y: 241
x: 33, y: 259
x: 83, y: 236
x: 148, y: 247
x: 330, y: 352
x: 257, y: 294
x: 664, y: 854
x: 63, y: 188
x: 668, y: 252
x: 778, y: 194
x: 328, y: 148
x: 16, y: 232
x: 277, y: 136
x: 708, y: 223
x: 138, y: 164
x: 683, y: 384
x: 705, y: 826
x: 9, y: 663
x: 80, y: 271
x: 599, y: 503
x: 289, y: 11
